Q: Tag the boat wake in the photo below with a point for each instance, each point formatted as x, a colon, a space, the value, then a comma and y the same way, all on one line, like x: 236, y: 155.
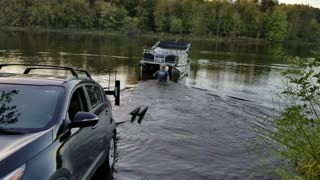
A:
x: 187, y: 133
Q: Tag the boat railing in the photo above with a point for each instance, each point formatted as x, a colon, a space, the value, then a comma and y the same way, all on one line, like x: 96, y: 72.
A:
x: 148, y: 51
x: 167, y: 57
x: 166, y: 52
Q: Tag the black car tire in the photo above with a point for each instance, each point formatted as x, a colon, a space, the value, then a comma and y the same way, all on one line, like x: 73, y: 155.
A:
x: 63, y: 178
x: 110, y: 155
x: 62, y: 174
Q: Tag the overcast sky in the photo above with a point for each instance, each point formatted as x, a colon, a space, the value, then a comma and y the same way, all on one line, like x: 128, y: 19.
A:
x: 314, y: 3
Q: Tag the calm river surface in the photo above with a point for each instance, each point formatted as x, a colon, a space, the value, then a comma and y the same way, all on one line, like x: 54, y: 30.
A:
x: 194, y: 129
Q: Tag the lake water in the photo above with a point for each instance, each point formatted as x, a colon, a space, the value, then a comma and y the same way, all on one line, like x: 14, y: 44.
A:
x: 194, y: 129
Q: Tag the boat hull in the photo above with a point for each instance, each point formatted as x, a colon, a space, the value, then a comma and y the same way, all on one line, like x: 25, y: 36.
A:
x: 149, y: 68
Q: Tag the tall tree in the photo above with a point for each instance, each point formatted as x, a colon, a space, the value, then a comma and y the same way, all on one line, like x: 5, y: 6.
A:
x: 313, y: 31
x: 200, y: 19
x: 145, y: 9
x: 267, y: 5
x: 277, y: 26
x: 163, y: 13
x: 176, y: 25
x: 219, y: 11
x: 251, y: 17
x: 161, y: 16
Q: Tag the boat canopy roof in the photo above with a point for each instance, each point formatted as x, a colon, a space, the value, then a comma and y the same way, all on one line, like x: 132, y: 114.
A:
x: 174, y: 45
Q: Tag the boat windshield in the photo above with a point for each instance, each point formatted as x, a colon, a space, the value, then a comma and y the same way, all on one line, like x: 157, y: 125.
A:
x: 25, y: 107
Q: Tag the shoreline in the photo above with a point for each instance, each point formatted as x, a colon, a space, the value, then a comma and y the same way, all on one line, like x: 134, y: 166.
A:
x: 140, y: 34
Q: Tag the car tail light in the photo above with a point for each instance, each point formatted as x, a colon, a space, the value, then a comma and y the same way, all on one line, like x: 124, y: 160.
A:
x: 16, y: 174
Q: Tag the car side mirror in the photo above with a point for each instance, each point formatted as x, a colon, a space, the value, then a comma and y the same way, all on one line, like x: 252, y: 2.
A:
x: 84, y: 119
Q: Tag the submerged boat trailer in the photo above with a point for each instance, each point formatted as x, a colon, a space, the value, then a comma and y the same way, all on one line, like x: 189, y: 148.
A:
x: 116, y: 93
x: 139, y: 113
x: 136, y: 112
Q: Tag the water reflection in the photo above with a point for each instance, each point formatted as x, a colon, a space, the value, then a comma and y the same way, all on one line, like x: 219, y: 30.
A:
x: 198, y: 133
x: 224, y: 61
x: 8, y: 112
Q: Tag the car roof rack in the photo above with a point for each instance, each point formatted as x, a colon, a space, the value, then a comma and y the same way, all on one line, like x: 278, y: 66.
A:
x: 74, y: 72
x: 31, y: 67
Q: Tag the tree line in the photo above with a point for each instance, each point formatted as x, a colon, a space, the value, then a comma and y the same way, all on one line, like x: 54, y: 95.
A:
x: 265, y: 19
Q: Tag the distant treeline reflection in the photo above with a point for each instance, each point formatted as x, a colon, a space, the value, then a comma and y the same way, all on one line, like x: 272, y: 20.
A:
x: 8, y: 113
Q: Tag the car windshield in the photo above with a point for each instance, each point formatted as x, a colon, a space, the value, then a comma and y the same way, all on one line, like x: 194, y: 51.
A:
x: 27, y: 107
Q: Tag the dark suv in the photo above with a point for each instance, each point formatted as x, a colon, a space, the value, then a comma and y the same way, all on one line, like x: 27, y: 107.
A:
x: 54, y: 127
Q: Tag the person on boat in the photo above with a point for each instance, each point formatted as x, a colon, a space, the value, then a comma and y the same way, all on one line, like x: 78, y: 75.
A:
x: 162, y: 74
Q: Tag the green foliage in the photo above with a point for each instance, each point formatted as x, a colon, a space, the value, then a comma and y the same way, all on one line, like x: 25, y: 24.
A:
x: 301, y: 20
x: 250, y: 18
x: 163, y: 12
x: 12, y: 13
x: 40, y: 16
x: 176, y: 25
x: 293, y: 132
x: 237, y: 24
x: 145, y: 16
x: 199, y: 19
x: 267, y: 5
x: 130, y: 25
x: 79, y: 14
x: 277, y: 26
x: 313, y: 31
x: 161, y: 16
x: 111, y: 16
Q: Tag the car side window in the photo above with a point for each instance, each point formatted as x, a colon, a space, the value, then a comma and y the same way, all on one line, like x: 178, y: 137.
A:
x: 95, y: 96
x: 77, y: 103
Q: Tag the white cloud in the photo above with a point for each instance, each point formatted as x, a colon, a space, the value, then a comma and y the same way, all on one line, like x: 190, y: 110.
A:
x: 314, y: 3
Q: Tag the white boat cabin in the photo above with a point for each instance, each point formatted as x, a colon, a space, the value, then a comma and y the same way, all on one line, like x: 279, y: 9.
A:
x: 169, y: 53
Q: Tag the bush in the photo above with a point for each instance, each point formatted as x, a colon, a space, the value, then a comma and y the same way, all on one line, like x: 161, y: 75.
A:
x: 277, y: 26
x: 79, y: 14
x: 176, y: 25
x: 111, y: 16
x: 294, y: 130
x: 131, y: 25
x: 40, y: 16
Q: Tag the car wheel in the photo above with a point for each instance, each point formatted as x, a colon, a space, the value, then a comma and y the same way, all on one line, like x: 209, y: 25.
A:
x: 63, y: 178
x: 61, y: 174
x: 110, y: 159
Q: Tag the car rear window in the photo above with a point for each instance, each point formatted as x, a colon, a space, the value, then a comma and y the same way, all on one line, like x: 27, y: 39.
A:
x: 27, y: 107
x: 94, y: 95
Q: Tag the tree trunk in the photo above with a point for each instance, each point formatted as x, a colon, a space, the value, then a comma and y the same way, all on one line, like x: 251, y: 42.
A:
x: 92, y: 4
x: 218, y: 29
x: 290, y: 30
